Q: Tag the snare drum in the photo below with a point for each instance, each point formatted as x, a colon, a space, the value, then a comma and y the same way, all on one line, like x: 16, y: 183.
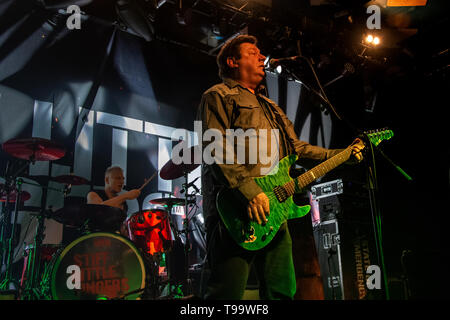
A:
x: 98, y: 266
x: 150, y: 231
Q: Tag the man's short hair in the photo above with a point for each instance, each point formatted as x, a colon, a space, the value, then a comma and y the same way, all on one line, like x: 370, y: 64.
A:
x: 232, y: 49
x: 111, y: 169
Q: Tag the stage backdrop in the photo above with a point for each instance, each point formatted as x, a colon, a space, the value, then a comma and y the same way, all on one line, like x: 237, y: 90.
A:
x: 147, y: 91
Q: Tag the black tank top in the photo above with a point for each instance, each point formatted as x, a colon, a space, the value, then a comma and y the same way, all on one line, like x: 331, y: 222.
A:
x: 102, y: 194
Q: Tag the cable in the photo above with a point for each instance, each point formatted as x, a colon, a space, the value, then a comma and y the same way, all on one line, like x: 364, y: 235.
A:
x: 320, y: 87
x: 323, y: 95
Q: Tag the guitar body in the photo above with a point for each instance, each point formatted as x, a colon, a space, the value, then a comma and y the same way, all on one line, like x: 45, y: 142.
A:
x: 233, y: 211
x: 233, y: 208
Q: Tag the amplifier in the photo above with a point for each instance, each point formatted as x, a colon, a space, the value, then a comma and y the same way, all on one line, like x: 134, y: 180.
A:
x: 341, y: 200
x: 345, y: 250
x: 345, y: 243
x: 327, y: 189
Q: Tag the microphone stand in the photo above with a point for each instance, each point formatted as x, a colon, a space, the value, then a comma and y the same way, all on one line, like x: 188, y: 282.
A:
x: 371, y: 173
x: 187, y: 243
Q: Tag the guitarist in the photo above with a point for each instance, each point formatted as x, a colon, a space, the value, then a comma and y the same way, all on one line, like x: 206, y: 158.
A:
x: 237, y: 103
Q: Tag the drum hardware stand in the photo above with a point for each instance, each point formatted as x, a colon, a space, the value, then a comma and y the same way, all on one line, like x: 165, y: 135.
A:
x: 154, y: 281
x: 187, y: 245
x: 4, y: 221
x: 170, y: 281
x: 33, y: 270
x: 4, y: 224
x: 32, y: 288
x: 10, y: 247
x: 5, y: 284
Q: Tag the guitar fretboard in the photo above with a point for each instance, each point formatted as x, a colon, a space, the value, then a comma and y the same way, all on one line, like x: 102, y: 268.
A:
x: 318, y: 171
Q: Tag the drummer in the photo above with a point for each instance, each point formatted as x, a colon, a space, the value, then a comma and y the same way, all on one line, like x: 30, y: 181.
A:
x: 114, y: 182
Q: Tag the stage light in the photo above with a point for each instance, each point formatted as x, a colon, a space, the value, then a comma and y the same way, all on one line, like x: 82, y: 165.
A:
x: 376, y: 41
x: 371, y: 40
x: 279, y: 69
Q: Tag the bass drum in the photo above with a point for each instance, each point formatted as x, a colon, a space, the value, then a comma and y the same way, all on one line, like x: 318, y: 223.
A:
x: 98, y: 266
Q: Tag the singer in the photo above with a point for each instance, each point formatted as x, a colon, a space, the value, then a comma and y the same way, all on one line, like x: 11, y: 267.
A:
x: 238, y: 103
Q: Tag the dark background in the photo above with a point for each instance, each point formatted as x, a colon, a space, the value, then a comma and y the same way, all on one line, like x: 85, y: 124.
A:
x: 162, y: 80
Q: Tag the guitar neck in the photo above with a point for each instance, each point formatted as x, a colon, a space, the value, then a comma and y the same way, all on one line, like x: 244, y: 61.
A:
x: 320, y: 170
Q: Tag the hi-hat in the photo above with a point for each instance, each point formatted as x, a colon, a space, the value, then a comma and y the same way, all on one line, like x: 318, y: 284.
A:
x: 34, y: 149
x: 170, y: 202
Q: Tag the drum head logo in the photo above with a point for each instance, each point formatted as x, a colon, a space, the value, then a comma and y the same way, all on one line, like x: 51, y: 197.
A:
x: 99, y: 265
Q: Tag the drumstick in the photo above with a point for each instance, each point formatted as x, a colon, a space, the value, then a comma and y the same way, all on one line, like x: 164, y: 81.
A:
x: 147, y: 181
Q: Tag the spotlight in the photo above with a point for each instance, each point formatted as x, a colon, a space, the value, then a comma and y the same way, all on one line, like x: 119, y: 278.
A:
x: 279, y: 69
x: 372, y: 40
x: 376, y: 41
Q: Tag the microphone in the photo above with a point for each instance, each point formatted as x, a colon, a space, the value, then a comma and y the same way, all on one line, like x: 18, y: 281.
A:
x: 348, y: 69
x: 191, y: 184
x: 276, y: 62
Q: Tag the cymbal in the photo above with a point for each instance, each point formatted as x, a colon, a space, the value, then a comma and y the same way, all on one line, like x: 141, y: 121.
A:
x: 65, y: 179
x: 170, y: 202
x: 97, y: 216
x: 34, y: 149
x: 41, y: 179
x: 172, y: 171
x: 13, y: 194
x: 70, y: 179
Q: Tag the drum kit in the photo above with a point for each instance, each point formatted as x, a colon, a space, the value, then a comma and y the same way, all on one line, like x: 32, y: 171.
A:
x: 114, y: 257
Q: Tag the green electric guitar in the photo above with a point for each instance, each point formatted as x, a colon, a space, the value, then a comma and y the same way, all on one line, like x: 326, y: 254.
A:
x: 279, y: 188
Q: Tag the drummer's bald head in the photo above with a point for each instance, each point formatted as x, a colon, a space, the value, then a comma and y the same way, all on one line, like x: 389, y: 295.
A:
x: 112, y: 169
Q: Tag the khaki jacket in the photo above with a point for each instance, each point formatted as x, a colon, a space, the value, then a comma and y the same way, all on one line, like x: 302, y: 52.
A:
x: 229, y: 105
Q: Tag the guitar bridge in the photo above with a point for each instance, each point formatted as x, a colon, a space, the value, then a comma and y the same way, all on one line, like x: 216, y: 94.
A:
x: 280, y: 193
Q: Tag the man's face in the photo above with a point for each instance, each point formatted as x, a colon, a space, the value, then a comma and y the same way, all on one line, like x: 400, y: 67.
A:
x: 115, y: 181
x: 251, y: 64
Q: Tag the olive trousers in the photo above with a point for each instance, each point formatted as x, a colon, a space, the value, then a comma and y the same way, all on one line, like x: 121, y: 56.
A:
x: 230, y: 265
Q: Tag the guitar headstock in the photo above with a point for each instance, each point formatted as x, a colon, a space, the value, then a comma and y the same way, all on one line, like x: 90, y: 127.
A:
x: 378, y: 135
